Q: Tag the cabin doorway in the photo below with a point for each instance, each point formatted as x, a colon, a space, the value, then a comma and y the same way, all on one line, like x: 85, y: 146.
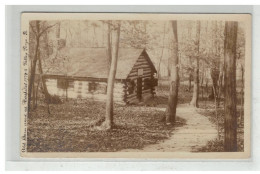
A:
x: 139, y: 88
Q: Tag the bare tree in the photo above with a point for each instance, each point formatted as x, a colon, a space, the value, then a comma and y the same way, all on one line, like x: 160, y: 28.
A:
x: 230, y: 123
x: 160, y: 60
x: 109, y: 51
x: 44, y: 86
x: 174, y: 78
x: 194, y: 101
x: 34, y: 61
x: 108, y: 123
x: 38, y: 31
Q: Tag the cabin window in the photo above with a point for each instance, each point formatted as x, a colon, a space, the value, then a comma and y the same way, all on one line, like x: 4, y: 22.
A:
x: 62, y: 83
x: 92, y: 86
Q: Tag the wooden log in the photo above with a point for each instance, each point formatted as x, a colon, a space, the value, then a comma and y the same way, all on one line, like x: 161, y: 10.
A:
x: 119, y: 84
x: 146, y: 95
x: 141, y: 65
x: 120, y: 103
x: 144, y: 88
x: 144, y: 74
x: 118, y: 98
x: 147, y: 70
x: 131, y: 95
x: 74, y: 78
x: 136, y: 77
x: 119, y: 90
x: 135, y: 69
x: 132, y: 99
x: 144, y: 70
x: 146, y: 91
x: 135, y: 100
x: 141, y: 62
x: 141, y: 58
x: 118, y: 95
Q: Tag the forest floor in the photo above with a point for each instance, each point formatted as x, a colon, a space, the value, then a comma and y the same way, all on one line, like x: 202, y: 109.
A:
x: 69, y: 127
x: 207, y: 108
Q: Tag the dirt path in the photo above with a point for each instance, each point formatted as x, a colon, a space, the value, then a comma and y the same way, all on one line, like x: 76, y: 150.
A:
x: 196, y: 133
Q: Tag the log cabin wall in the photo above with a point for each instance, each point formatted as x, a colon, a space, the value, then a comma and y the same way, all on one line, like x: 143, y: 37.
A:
x: 142, y: 69
x: 82, y: 89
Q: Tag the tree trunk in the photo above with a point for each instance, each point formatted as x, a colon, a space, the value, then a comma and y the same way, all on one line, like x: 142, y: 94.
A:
x: 108, y: 123
x: 37, y: 34
x: 190, y: 61
x: 220, y: 85
x: 160, y: 60
x: 174, y: 79
x: 103, y: 34
x: 36, y: 99
x: 214, y: 73
x: 45, y: 89
x: 195, y: 96
x: 206, y: 85
x: 201, y: 86
x: 230, y: 122
x: 216, y: 69
x: 34, y: 62
x: 58, y: 30
x: 242, y: 94
x: 190, y: 78
x: 33, y: 98
x: 109, y: 44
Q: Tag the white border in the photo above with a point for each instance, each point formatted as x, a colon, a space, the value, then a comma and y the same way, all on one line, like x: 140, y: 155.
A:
x: 13, y: 160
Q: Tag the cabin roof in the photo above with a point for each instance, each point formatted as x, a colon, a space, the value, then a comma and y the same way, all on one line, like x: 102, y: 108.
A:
x: 93, y: 62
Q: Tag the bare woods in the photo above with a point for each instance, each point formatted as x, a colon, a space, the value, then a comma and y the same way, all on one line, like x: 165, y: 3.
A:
x: 120, y: 84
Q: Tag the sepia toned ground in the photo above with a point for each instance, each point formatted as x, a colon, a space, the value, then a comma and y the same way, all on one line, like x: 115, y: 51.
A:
x: 195, y: 134
x: 71, y: 127
x: 207, y: 108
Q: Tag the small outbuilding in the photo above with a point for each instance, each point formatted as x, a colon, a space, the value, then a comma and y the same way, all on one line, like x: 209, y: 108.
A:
x: 85, y: 72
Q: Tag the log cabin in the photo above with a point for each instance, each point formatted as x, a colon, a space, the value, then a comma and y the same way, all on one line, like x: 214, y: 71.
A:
x: 84, y: 73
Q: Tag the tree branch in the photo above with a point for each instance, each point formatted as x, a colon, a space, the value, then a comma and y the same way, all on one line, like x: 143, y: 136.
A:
x: 33, y: 29
x: 47, y: 28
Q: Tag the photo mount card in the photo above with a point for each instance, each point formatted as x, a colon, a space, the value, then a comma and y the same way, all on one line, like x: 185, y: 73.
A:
x: 83, y: 96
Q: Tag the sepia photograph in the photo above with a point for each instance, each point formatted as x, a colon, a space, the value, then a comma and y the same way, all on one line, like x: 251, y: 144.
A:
x: 135, y: 85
